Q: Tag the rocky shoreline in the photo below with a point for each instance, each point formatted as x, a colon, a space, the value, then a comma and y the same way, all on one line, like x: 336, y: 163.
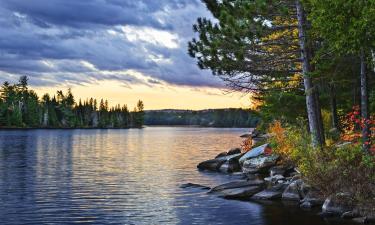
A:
x: 262, y: 176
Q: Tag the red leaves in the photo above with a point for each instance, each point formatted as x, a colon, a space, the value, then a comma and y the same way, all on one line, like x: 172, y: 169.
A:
x: 351, y: 124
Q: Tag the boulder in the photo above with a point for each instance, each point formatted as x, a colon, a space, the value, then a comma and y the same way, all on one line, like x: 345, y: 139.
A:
x: 192, y: 185
x: 215, y: 164
x: 337, y: 204
x: 255, y: 152
x: 260, y: 164
x: 254, y: 133
x: 212, y: 164
x: 222, y: 154
x: 293, y: 191
x: 284, y: 170
x: 274, y: 179
x: 230, y: 166
x: 272, y: 193
x: 238, y: 189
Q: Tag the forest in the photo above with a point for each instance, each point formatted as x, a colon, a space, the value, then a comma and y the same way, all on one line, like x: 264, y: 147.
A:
x: 309, y: 66
x: 20, y: 107
x: 206, y: 118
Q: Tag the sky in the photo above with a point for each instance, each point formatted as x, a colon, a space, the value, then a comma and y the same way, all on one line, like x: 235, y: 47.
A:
x: 120, y: 50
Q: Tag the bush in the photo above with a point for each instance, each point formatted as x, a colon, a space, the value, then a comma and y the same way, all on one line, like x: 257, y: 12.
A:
x: 330, y: 169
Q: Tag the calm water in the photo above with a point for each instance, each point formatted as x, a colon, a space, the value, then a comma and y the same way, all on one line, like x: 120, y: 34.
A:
x: 123, y: 177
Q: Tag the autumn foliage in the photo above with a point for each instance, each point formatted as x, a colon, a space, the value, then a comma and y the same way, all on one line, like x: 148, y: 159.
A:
x: 281, y: 143
x: 352, y: 124
x: 247, y: 144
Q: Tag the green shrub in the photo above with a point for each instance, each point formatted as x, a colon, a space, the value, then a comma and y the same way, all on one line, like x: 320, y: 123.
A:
x: 330, y: 169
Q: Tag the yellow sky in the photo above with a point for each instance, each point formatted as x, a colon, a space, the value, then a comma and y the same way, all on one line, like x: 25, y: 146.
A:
x: 156, y: 97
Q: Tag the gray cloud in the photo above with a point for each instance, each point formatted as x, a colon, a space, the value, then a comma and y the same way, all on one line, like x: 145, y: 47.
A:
x: 82, y: 42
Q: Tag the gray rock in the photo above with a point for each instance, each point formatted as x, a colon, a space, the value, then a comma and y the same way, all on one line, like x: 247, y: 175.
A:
x: 362, y: 220
x: 349, y: 215
x: 192, y: 185
x: 272, y: 193
x: 237, y: 184
x: 274, y: 179
x: 285, y: 170
x: 234, y: 151
x: 311, y: 199
x: 230, y: 166
x: 222, y: 154
x: 215, y: 164
x: 293, y: 191
x: 259, y: 164
x: 238, y: 189
x: 337, y: 204
x: 246, y: 135
x: 212, y: 164
x: 255, y: 152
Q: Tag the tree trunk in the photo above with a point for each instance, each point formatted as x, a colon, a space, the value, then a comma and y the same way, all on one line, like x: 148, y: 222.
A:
x: 313, y: 112
x: 333, y: 103
x: 364, y: 104
x: 319, y: 118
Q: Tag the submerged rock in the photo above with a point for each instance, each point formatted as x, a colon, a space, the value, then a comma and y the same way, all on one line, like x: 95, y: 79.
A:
x: 238, y: 189
x: 192, y: 185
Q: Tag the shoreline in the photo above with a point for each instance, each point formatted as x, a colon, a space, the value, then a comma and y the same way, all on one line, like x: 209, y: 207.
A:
x: 261, y: 178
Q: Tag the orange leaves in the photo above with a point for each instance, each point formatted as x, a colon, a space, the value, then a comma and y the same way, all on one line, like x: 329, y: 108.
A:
x: 283, y: 145
x: 247, y: 144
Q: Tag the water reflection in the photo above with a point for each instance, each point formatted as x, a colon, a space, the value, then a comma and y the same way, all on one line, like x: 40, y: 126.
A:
x: 122, y: 177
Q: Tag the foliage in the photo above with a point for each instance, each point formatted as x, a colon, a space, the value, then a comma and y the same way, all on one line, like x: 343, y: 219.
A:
x: 332, y: 169
x: 247, y: 144
x: 285, y: 140
x: 21, y: 107
x: 352, y: 122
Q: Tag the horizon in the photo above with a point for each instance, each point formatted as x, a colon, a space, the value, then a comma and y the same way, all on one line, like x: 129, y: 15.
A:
x: 139, y: 52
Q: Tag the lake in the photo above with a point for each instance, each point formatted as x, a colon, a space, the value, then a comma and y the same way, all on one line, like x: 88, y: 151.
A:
x: 124, y: 177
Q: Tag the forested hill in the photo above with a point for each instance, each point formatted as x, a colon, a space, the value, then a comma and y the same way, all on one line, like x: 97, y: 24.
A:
x: 21, y: 107
x: 210, y: 117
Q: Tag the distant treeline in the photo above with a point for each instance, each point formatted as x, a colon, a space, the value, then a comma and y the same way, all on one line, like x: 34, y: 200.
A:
x: 21, y: 107
x: 208, y: 118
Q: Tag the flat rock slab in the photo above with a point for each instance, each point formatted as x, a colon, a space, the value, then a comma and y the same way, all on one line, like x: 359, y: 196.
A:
x: 272, y: 193
x: 238, y: 189
x: 237, y: 184
x: 255, y: 152
x: 192, y: 185
x: 268, y: 195
x: 239, y: 193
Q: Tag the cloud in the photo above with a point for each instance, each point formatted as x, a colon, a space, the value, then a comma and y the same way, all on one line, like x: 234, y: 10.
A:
x: 86, y: 41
